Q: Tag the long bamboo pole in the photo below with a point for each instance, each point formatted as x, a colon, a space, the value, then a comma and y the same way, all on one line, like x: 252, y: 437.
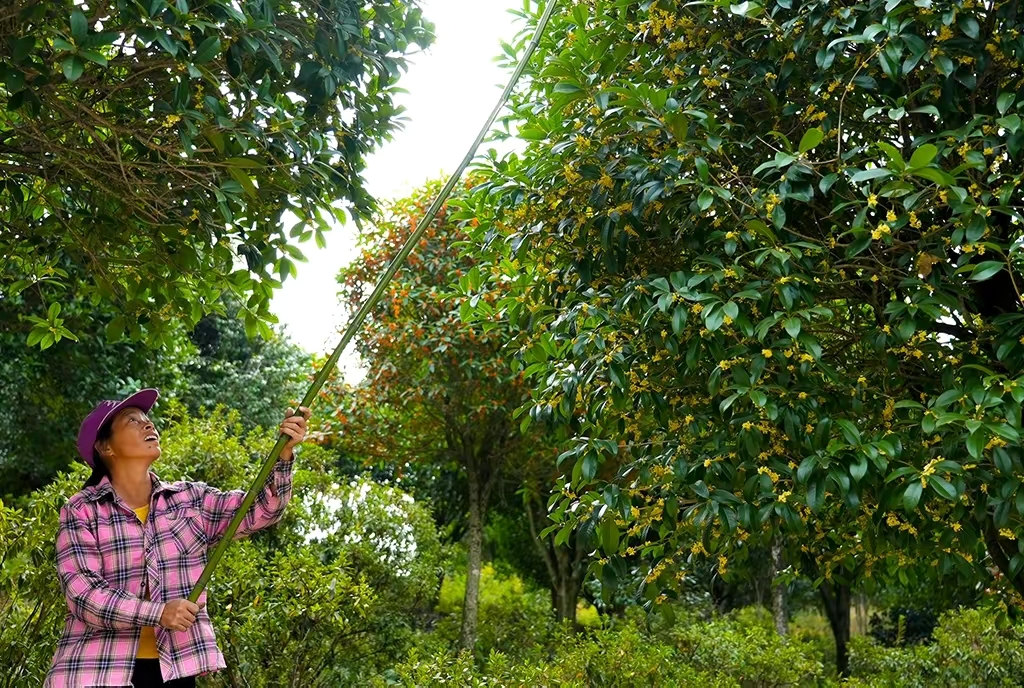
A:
x: 360, y: 315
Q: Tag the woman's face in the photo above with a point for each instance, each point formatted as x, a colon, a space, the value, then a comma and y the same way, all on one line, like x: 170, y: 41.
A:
x: 133, y: 438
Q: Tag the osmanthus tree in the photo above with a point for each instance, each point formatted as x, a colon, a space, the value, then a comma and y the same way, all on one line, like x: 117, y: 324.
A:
x: 439, y: 392
x: 160, y: 153
x: 767, y: 257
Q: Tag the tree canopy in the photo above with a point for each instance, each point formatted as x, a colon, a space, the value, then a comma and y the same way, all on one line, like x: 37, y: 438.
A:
x: 766, y: 257
x: 156, y: 154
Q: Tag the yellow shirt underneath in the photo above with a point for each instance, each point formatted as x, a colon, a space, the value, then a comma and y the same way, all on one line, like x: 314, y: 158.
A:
x: 147, y: 641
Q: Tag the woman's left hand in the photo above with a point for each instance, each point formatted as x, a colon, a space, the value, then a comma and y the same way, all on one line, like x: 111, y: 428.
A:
x: 294, y: 427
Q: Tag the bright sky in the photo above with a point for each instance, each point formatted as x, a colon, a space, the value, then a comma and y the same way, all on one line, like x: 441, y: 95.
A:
x: 451, y: 90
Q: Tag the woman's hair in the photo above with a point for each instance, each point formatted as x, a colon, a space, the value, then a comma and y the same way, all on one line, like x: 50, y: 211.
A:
x: 99, y: 469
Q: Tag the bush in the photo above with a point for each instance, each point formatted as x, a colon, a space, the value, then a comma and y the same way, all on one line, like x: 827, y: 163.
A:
x: 746, y: 648
x: 969, y: 650
x: 624, y: 656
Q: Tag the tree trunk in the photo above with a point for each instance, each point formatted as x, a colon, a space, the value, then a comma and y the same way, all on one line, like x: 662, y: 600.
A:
x: 564, y: 566
x: 780, y: 613
x: 470, y: 605
x: 567, y: 586
x: 837, y: 608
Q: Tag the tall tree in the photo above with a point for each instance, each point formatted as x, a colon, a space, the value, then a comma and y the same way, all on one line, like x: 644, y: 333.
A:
x: 438, y: 391
x: 769, y: 253
x: 175, y: 151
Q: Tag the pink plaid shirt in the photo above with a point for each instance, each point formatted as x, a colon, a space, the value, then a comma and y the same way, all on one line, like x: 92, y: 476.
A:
x: 105, y: 557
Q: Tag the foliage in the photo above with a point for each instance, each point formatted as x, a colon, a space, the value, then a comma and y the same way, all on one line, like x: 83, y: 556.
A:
x: 969, y: 650
x: 747, y: 649
x: 724, y: 652
x: 429, y: 372
x: 515, y: 620
x: 764, y: 260
x: 317, y: 600
x: 257, y: 377
x: 147, y: 147
x: 902, y: 626
x: 54, y: 389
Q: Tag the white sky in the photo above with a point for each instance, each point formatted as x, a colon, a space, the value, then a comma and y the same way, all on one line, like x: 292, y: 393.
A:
x: 451, y: 90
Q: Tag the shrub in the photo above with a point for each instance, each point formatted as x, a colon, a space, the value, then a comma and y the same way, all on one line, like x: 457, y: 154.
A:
x: 746, y: 648
x: 623, y: 656
x: 969, y: 650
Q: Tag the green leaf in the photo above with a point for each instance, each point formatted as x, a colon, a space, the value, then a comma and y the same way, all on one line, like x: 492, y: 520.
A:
x: 53, y: 311
x: 912, y: 496
x: 924, y: 155
x: 115, y: 329
x: 567, y: 87
x: 936, y: 175
x: 858, y: 469
x: 893, y: 154
x: 713, y: 318
x: 867, y: 175
x: 986, y: 270
x: 976, y: 444
x: 759, y: 228
x: 94, y: 57
x: 244, y: 179
x: 72, y: 67
x: 942, y: 487
x: 79, y: 25
x: 849, y: 430
x: 1005, y: 102
x: 617, y: 376
x: 805, y: 469
x: 811, y: 138
x: 207, y: 50
x: 702, y: 169
x: 900, y: 473
x: 705, y: 199
x: 679, y: 316
x: 609, y: 535
x: 793, y: 326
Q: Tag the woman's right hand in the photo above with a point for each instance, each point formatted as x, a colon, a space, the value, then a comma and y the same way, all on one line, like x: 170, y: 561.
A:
x: 179, y: 615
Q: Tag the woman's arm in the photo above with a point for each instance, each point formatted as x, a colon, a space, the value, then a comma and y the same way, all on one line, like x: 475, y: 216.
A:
x: 89, y: 597
x: 219, y: 507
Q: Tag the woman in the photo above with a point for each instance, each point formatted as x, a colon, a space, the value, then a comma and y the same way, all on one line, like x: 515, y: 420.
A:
x: 130, y: 547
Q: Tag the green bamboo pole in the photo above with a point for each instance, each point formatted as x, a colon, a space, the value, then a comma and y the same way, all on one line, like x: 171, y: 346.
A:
x: 360, y: 315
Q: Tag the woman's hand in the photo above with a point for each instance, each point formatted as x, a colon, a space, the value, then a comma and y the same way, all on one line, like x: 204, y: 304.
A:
x: 294, y: 426
x: 179, y: 615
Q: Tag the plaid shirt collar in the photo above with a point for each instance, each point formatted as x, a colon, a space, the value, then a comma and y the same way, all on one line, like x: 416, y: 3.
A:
x: 104, y: 489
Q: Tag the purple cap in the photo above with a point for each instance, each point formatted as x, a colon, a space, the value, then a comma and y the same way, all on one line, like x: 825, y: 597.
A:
x: 104, y: 411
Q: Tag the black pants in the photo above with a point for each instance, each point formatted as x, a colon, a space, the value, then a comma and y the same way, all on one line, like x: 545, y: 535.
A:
x: 147, y: 675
